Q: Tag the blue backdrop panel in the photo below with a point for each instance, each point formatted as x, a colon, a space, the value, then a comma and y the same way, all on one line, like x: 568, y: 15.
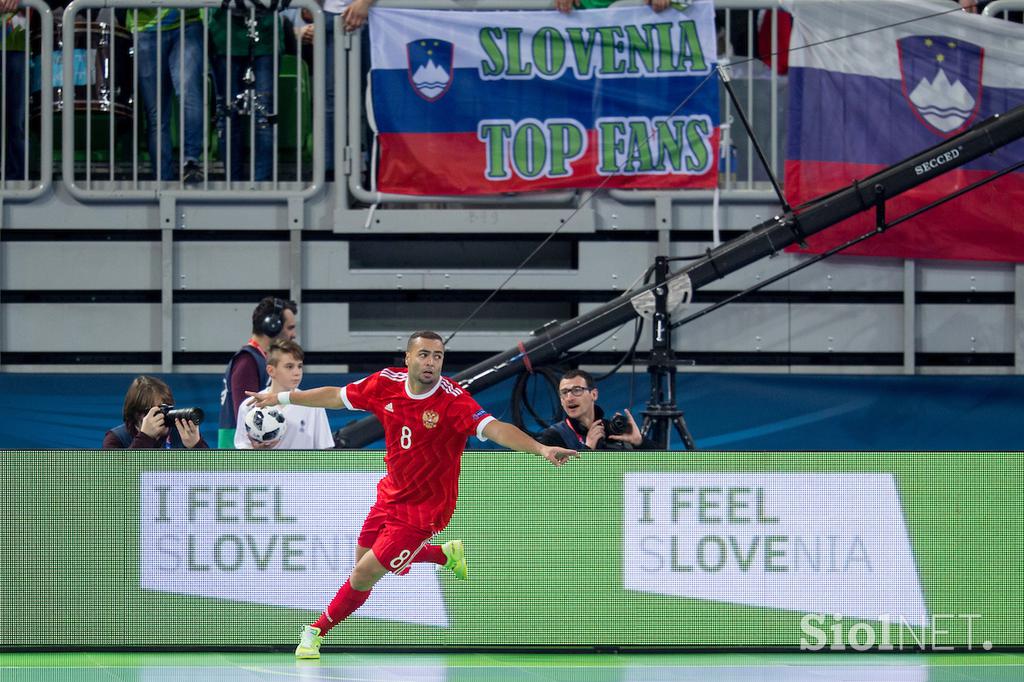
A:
x: 723, y: 411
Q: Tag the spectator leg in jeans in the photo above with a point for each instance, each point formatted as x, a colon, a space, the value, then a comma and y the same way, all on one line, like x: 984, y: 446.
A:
x: 169, y: 78
x: 14, y: 86
x: 263, y: 69
x: 226, y: 109
x: 159, y: 133
x: 263, y: 66
x: 189, y: 81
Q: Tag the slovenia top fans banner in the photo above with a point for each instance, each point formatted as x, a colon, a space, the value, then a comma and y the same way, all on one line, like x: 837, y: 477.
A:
x: 492, y: 102
x: 897, y: 86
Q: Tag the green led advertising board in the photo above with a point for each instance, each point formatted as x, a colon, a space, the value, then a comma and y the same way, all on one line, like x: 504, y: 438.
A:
x: 690, y: 550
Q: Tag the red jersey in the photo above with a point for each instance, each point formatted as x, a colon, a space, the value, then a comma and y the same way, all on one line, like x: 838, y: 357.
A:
x: 424, y: 436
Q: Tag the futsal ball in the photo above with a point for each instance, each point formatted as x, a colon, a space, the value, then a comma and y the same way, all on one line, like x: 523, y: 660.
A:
x: 265, y: 424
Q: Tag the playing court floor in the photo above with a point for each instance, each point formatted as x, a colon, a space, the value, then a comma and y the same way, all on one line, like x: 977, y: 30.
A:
x: 383, y: 667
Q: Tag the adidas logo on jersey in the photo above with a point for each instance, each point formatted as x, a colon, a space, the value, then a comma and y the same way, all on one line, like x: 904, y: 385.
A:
x: 389, y: 407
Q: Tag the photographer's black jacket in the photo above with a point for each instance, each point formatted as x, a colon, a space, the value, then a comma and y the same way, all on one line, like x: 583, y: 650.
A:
x: 121, y: 437
x: 569, y: 433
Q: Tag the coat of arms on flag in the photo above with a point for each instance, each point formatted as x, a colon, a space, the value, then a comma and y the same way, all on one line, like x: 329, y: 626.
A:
x: 901, y: 79
x: 430, y: 67
x: 941, y: 80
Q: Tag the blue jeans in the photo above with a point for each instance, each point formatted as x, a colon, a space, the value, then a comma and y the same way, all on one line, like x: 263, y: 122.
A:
x: 188, y: 85
x: 263, y: 70
x: 14, y: 89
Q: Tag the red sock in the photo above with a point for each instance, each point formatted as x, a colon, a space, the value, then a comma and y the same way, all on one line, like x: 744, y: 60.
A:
x: 431, y: 554
x: 341, y: 607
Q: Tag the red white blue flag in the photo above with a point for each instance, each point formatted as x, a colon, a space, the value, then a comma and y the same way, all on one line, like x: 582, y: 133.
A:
x: 861, y: 103
x: 492, y: 102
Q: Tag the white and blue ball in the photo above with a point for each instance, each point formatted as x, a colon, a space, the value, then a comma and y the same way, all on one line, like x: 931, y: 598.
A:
x: 265, y: 424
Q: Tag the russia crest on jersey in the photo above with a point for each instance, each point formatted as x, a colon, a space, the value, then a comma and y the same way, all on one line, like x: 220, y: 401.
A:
x: 430, y: 67
x: 942, y: 80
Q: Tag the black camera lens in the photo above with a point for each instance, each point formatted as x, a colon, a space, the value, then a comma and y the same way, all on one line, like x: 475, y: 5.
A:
x: 618, y: 425
x: 189, y: 414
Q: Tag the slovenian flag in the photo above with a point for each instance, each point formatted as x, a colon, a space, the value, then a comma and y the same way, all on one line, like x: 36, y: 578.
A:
x: 493, y: 102
x: 900, y: 84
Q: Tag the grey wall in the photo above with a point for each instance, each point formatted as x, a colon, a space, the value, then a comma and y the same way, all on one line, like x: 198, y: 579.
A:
x: 93, y: 286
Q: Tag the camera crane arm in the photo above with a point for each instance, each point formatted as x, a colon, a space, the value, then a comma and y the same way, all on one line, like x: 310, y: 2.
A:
x: 763, y: 240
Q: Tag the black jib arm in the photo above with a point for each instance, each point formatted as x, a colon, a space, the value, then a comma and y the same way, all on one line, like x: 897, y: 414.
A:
x: 763, y: 240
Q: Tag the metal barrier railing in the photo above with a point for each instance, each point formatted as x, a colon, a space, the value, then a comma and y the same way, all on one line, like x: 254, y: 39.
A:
x: 1000, y: 8
x: 24, y: 175
x: 741, y: 178
x: 104, y: 154
x: 738, y: 182
x: 128, y: 56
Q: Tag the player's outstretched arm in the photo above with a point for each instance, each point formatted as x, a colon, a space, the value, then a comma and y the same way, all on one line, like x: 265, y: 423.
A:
x: 512, y: 438
x: 326, y: 396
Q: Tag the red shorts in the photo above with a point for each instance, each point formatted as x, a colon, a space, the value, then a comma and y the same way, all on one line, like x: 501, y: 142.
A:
x: 394, y: 543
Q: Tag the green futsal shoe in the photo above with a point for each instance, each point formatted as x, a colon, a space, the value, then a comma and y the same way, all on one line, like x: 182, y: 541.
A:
x: 455, y: 550
x: 309, y: 644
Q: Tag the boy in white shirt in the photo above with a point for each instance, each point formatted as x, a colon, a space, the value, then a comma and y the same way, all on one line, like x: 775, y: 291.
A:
x: 308, y: 428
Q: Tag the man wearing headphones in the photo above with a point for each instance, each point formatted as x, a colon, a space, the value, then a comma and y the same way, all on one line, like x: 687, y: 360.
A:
x: 273, y: 318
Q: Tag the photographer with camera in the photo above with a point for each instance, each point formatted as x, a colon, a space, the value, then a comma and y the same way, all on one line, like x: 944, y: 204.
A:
x: 149, y: 412
x: 585, y: 427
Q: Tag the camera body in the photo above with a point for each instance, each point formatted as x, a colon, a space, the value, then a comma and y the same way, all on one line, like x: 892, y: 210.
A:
x: 618, y: 425
x: 189, y: 414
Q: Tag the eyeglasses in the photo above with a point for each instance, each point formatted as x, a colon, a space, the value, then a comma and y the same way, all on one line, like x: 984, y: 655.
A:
x: 575, y: 390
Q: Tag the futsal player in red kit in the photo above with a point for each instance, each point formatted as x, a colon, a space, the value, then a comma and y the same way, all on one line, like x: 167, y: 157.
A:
x: 427, y: 419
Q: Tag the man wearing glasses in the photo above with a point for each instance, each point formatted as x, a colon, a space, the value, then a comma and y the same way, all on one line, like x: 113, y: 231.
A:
x: 585, y: 427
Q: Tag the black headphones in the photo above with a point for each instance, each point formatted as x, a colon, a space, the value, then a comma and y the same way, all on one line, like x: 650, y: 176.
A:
x: 272, y: 323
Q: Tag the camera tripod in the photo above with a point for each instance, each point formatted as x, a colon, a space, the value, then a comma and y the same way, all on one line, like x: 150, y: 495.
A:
x: 662, y: 410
